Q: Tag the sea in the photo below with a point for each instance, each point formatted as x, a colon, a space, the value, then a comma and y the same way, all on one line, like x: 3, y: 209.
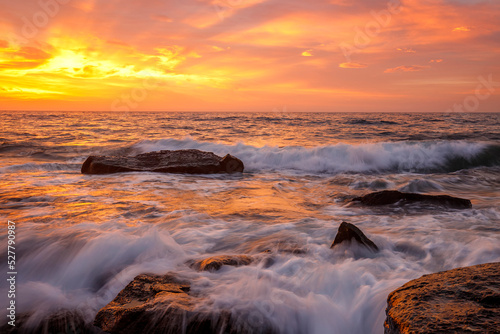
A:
x: 80, y: 239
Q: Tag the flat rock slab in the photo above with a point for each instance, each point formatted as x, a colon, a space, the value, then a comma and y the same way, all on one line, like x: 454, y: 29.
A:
x: 180, y: 162
x: 391, y: 196
x: 463, y: 300
x: 347, y: 232
x: 157, y: 304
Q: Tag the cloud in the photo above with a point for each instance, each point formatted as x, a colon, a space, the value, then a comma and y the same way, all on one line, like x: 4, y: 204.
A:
x: 25, y: 57
x: 161, y: 18
x: 307, y: 53
x: 252, y: 53
x: 405, y: 68
x: 462, y: 29
x: 407, y: 50
x: 352, y: 65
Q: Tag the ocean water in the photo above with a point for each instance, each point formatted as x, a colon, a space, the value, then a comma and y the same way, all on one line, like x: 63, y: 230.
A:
x: 80, y: 239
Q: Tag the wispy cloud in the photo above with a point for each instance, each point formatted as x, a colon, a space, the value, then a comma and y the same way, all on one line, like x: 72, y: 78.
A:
x: 462, y: 29
x: 405, y: 68
x: 307, y: 53
x: 352, y: 65
x: 254, y: 54
x: 407, y: 50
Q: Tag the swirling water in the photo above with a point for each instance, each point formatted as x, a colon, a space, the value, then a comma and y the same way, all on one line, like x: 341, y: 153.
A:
x: 82, y: 238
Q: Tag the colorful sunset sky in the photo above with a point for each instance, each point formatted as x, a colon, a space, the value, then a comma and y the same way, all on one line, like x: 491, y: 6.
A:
x: 250, y: 55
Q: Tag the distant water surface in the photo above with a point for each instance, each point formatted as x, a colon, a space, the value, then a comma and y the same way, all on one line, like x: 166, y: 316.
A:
x: 82, y: 238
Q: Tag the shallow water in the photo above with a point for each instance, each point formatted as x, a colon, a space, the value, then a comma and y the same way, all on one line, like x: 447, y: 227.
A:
x: 82, y: 238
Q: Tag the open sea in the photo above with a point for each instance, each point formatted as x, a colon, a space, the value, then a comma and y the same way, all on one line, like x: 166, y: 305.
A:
x: 80, y: 239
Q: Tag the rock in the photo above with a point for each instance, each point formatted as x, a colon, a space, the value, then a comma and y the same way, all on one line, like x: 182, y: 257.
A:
x: 463, y: 300
x: 181, y: 161
x: 62, y: 321
x: 391, y: 196
x: 214, y: 263
x: 347, y: 232
x: 165, y: 304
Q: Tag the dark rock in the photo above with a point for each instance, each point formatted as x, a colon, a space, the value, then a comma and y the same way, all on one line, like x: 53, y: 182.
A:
x: 214, y: 263
x: 62, y: 321
x: 463, y: 300
x: 391, y: 196
x: 181, y: 161
x: 347, y: 232
x: 157, y: 304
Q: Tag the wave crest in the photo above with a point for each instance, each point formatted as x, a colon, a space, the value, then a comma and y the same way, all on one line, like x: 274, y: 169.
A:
x: 422, y: 157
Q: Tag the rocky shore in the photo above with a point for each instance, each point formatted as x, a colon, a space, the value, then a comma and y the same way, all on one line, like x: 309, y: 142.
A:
x: 463, y: 300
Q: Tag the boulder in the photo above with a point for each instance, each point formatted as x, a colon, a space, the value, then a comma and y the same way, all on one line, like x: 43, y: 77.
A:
x: 391, y: 196
x: 214, y: 263
x: 181, y: 161
x: 347, y: 232
x: 463, y: 300
x: 166, y: 304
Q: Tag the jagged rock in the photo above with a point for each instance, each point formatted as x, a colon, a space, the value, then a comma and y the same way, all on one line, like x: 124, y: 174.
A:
x: 214, y: 263
x: 347, y: 232
x: 391, y: 196
x: 463, y: 300
x: 157, y: 304
x: 181, y: 161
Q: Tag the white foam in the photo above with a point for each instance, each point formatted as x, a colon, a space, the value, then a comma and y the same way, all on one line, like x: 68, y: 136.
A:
x: 372, y: 157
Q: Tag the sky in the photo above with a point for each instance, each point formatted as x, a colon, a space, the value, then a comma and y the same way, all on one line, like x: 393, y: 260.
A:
x: 250, y: 55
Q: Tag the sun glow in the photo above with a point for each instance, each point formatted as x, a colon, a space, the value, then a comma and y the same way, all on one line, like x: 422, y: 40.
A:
x: 246, y: 55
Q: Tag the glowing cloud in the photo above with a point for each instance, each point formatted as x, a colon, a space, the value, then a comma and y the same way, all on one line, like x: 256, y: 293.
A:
x: 407, y: 50
x: 352, y: 65
x: 244, y: 54
x: 462, y: 29
x: 307, y: 53
x: 404, y: 68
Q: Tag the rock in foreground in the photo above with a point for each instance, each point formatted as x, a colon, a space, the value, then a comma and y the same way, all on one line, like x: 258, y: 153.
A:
x: 181, y: 161
x: 347, y: 232
x: 463, y: 300
x: 391, y: 196
x: 157, y: 304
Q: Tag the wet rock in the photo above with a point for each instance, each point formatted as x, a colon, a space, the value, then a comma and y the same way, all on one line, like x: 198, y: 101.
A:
x: 463, y: 300
x: 62, y: 321
x: 391, y: 196
x: 166, y: 304
x: 214, y: 263
x: 181, y: 161
x: 347, y: 232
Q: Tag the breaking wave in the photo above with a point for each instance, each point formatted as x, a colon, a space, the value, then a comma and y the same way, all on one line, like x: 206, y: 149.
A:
x: 421, y: 157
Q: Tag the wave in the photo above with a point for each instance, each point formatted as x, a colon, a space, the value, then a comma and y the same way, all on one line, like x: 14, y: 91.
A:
x: 367, y: 122
x: 420, y: 157
x: 40, y: 167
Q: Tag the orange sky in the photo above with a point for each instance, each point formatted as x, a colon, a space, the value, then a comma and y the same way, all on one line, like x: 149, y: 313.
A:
x: 250, y: 55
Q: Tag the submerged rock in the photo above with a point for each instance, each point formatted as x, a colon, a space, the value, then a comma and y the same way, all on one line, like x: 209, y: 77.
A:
x: 347, y: 232
x: 181, y: 161
x: 392, y: 196
x: 157, y: 304
x: 463, y: 300
x: 214, y: 263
